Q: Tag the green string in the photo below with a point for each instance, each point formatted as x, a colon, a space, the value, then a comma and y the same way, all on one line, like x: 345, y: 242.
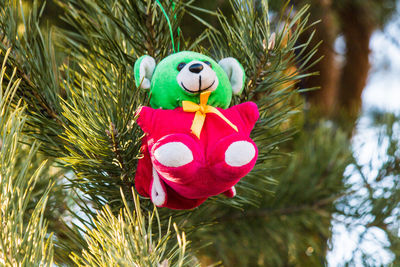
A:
x: 179, y: 31
x: 179, y: 28
x: 169, y: 24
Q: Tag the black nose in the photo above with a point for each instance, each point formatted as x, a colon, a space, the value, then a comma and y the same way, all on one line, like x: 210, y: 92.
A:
x: 196, y: 68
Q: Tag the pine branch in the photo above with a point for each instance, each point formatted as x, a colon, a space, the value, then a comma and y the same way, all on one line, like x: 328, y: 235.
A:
x: 128, y: 240
x: 34, y: 57
x: 23, y: 241
x: 40, y: 99
x: 113, y: 135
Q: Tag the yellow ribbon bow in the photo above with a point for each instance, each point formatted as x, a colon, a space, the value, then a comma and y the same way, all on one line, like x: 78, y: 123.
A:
x: 201, y: 111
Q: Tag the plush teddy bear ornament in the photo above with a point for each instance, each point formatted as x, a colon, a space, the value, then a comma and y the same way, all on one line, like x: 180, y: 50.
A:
x: 194, y: 145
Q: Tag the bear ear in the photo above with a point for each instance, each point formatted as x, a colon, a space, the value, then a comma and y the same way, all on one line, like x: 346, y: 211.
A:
x: 235, y: 73
x: 143, y: 71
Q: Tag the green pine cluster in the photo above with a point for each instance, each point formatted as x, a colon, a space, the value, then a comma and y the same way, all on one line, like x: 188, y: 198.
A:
x: 69, y: 142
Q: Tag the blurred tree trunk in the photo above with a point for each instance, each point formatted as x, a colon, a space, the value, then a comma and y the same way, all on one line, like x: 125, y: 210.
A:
x: 324, y: 100
x: 357, y: 27
x: 341, y: 85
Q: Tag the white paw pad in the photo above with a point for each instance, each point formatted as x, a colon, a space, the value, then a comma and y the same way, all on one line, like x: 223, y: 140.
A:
x: 239, y: 153
x: 173, y: 154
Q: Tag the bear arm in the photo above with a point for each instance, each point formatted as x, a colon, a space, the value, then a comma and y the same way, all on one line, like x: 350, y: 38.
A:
x: 249, y: 113
x: 145, y: 118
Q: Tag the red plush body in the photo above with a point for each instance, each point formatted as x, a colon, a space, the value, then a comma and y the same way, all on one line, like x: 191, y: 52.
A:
x: 187, y: 170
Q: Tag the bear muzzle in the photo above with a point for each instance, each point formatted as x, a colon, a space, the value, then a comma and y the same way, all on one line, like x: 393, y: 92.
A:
x: 196, y: 77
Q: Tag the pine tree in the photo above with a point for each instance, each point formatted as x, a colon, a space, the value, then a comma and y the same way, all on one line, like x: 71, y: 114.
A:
x: 70, y: 144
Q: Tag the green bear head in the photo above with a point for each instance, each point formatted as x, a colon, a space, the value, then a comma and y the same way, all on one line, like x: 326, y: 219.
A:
x: 184, y: 75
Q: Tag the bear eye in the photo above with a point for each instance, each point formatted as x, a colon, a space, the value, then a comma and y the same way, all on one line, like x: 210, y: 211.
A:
x: 181, y: 66
x: 208, y: 63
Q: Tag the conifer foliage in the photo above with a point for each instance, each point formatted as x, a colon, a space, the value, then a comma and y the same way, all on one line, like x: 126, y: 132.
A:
x: 70, y: 144
x: 24, y: 239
